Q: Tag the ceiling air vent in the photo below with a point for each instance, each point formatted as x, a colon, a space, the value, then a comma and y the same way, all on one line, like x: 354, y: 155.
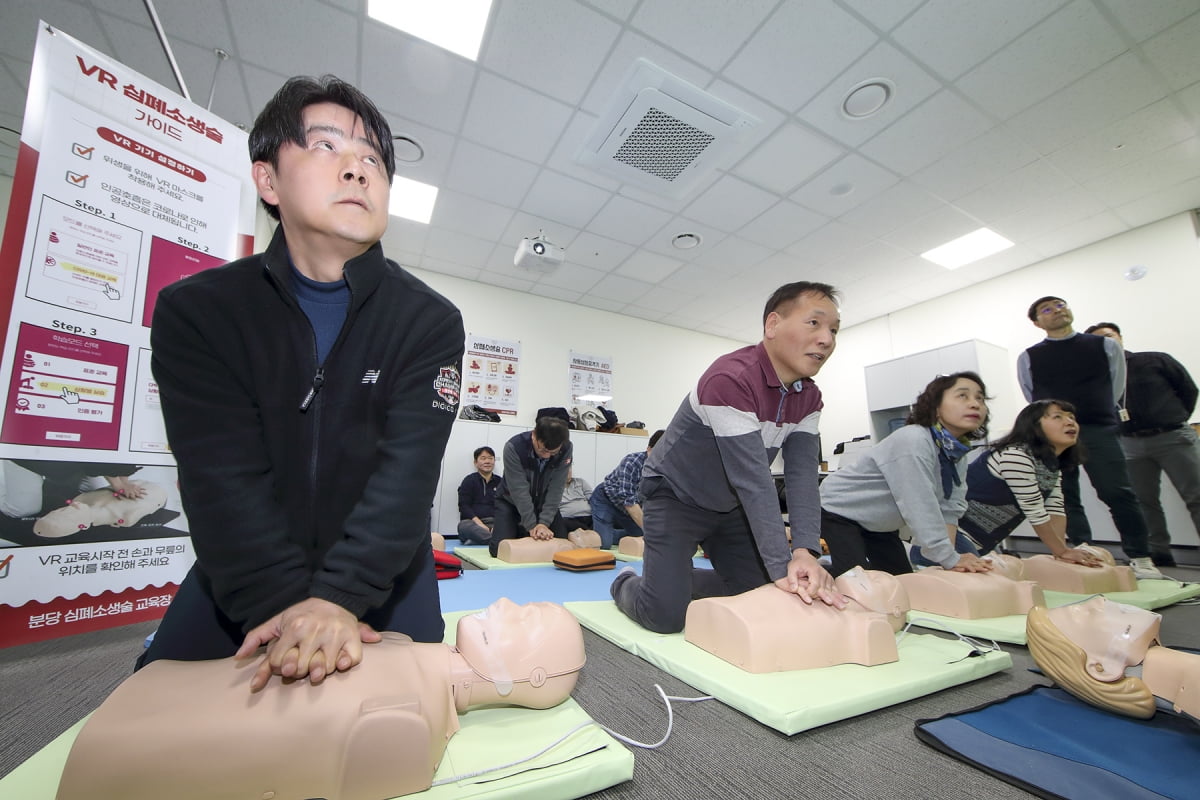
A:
x: 661, y: 133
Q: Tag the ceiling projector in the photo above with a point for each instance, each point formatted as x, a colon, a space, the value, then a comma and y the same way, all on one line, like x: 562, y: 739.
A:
x: 538, y: 255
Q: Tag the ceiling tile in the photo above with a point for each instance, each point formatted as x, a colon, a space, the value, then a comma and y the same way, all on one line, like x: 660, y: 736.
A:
x: 563, y: 199
x: 602, y: 303
x: 572, y: 276
x: 470, y: 215
x: 426, y: 83
x: 730, y: 203
x: 405, y: 234
x: 499, y: 114
x: 268, y: 40
x: 1173, y: 52
x: 911, y: 83
x: 616, y: 287
x: 863, y: 178
x: 951, y: 36
x: 932, y: 230
x: 931, y: 130
x: 563, y: 159
x: 883, y: 14
x: 782, y: 225
x: 556, y: 293
x: 1157, y: 171
x: 649, y: 267
x: 1006, y: 196
x: 18, y: 34
x: 465, y: 271
x: 710, y: 32
x: 1046, y: 213
x: 1116, y: 89
x: 505, y: 282
x: 1142, y: 20
x: 1161, y: 204
x: 893, y: 208
x: 551, y: 47
x: 1078, y: 234
x: 803, y: 151
x: 458, y: 247
x: 489, y: 175
x: 828, y: 242
x: 1137, y: 135
x: 769, y: 119
x: 665, y: 301
x: 1055, y: 53
x: 732, y: 255
x: 631, y: 46
x: 975, y: 164
x: 798, y: 51
x: 628, y: 221
x: 617, y: 8
x: 598, y: 252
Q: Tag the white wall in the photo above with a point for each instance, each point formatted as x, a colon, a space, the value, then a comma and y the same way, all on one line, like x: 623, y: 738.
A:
x: 654, y: 366
x: 1154, y: 313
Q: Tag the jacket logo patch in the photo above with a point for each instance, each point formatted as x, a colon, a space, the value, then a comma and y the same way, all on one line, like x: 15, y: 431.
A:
x: 446, y: 387
x: 371, y: 376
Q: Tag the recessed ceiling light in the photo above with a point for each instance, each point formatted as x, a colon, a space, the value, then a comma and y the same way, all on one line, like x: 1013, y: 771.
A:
x: 685, y: 241
x: 975, y: 245
x: 1136, y: 272
x: 842, y: 189
x: 867, y: 98
x: 455, y: 25
x: 412, y: 200
x: 408, y: 150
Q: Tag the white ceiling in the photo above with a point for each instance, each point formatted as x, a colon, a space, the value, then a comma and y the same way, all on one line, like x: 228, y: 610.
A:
x: 1055, y: 122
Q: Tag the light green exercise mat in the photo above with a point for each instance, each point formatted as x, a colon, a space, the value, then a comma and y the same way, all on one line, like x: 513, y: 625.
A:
x: 791, y: 702
x: 480, y: 557
x: 1010, y: 629
x: 1149, y: 595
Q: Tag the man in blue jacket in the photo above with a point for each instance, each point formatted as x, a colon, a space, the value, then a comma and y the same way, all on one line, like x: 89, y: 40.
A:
x: 308, y: 393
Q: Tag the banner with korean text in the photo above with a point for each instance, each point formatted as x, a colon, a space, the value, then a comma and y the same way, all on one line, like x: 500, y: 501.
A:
x: 121, y: 188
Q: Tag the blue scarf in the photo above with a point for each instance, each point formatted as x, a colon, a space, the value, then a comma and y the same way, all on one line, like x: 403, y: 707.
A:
x: 950, y: 451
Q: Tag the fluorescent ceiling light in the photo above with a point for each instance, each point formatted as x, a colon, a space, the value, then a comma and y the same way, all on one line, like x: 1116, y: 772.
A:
x: 412, y: 199
x: 456, y: 25
x: 595, y: 398
x: 965, y: 249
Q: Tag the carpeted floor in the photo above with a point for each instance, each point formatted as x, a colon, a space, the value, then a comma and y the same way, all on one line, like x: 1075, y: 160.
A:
x: 714, y: 751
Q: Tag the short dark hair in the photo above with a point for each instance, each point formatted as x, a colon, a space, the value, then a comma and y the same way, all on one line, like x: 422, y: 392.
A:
x: 1100, y: 325
x: 282, y: 121
x: 925, y: 409
x: 1033, y: 315
x: 552, y: 432
x: 484, y: 449
x: 785, y: 295
x: 658, y: 434
x: 1027, y: 432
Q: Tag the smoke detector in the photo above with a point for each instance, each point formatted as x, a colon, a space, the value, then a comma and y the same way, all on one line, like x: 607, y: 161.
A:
x: 661, y: 133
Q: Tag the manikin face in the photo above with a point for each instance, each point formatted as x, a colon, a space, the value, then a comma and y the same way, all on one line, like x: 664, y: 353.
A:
x: 1113, y: 635
x: 799, y: 343
x: 333, y: 192
x: 1060, y: 428
x: 486, y: 463
x: 963, y: 407
x: 1053, y: 315
x: 513, y: 642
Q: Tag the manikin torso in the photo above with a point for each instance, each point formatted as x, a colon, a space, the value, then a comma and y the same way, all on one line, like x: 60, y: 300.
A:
x: 1060, y: 576
x: 769, y: 630
x: 969, y: 595
x: 530, y: 551
x: 194, y: 731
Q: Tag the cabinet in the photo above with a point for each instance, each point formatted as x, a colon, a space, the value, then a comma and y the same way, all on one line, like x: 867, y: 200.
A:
x: 893, y: 385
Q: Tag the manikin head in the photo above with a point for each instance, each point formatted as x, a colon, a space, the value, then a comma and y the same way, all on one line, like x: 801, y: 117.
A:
x: 532, y: 652
x: 875, y: 590
x: 1086, y: 647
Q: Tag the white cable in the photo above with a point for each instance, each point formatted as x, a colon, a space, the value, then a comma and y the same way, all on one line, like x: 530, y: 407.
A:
x: 670, y: 720
x: 670, y: 724
x: 941, y: 626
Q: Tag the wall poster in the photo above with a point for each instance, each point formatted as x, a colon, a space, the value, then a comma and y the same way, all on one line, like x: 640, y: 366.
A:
x: 491, y: 373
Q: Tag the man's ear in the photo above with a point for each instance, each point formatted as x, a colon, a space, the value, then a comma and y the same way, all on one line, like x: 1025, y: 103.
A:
x: 263, y: 175
x: 770, y: 323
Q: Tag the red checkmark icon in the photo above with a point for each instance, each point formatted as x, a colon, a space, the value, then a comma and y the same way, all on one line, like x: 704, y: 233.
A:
x: 4, y: 564
x: 80, y: 150
x: 76, y: 178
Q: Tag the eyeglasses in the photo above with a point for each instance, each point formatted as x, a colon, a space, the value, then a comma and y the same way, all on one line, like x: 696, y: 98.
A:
x: 1051, y: 308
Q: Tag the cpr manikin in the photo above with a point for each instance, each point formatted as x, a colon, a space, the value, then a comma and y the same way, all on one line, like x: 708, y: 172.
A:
x: 632, y: 546
x: 528, y: 550
x: 102, y: 507
x: 969, y: 595
x: 1059, y: 576
x: 1088, y: 648
x: 768, y: 630
x: 194, y: 731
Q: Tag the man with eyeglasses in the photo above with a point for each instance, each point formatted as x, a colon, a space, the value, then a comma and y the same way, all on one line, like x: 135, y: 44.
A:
x: 1089, y: 372
x: 536, y: 464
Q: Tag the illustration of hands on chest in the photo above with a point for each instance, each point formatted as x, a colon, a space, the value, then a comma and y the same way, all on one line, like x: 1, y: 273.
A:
x: 102, y: 507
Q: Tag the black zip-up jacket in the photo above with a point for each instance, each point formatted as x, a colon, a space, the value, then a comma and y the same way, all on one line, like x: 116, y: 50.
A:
x: 535, y: 493
x: 303, y: 480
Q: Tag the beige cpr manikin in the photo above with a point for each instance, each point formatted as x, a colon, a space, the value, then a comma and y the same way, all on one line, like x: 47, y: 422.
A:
x: 1059, y: 576
x: 632, y: 546
x: 194, y: 731
x: 531, y: 551
x: 969, y: 595
x: 768, y: 630
x: 1087, y: 647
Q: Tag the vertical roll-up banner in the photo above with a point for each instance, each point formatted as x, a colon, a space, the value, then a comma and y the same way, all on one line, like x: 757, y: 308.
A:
x: 121, y: 188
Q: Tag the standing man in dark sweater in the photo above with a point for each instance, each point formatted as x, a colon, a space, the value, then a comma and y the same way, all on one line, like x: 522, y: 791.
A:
x: 1160, y: 398
x: 1089, y: 372
x: 308, y: 393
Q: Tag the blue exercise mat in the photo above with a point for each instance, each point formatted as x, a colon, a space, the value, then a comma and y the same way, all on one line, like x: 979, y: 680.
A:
x: 1051, y: 744
x: 477, y: 588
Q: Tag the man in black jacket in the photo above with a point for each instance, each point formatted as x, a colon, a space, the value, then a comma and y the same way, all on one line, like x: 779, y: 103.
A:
x: 1160, y: 397
x: 308, y: 393
x: 536, y: 464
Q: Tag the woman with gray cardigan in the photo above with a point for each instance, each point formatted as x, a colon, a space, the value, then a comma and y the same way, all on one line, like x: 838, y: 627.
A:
x: 915, y: 477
